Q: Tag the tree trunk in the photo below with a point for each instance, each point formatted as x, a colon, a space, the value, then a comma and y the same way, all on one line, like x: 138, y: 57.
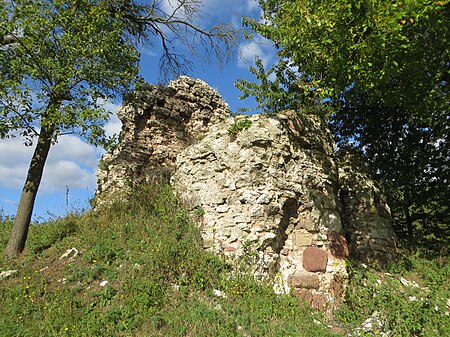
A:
x: 409, y: 225
x: 19, y: 232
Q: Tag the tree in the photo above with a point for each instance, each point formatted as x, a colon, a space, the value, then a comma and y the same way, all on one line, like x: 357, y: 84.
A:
x: 384, y: 68
x: 60, y: 59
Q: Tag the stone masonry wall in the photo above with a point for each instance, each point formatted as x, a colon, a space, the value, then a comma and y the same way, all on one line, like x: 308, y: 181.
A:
x: 159, y: 123
x: 271, y: 196
x: 366, y: 216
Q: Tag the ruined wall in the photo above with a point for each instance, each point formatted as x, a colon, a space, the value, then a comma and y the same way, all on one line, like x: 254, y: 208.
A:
x: 366, y: 217
x: 159, y: 123
x: 273, y: 196
x: 270, y: 194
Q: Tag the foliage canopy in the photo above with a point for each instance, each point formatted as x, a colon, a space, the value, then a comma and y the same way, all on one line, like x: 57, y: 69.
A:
x: 64, y: 59
x: 380, y: 71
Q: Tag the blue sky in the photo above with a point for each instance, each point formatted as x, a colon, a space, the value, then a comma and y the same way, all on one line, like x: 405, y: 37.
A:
x: 69, y: 176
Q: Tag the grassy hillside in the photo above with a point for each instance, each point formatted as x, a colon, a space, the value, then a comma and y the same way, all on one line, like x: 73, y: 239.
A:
x: 161, y: 283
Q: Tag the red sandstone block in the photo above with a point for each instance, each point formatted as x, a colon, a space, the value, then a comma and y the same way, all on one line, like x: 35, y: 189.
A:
x: 315, y: 259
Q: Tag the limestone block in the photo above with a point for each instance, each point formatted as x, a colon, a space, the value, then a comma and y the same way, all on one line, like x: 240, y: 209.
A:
x: 309, y: 219
x: 305, y: 280
x: 222, y: 208
x: 302, y: 238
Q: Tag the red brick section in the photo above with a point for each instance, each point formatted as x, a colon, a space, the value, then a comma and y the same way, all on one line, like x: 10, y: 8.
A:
x: 338, y: 245
x: 315, y: 259
x: 230, y: 249
x: 316, y: 301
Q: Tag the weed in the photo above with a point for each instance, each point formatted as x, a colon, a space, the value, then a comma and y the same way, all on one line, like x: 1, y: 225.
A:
x: 407, y: 308
x: 199, y: 211
x: 45, y: 235
x: 239, y: 126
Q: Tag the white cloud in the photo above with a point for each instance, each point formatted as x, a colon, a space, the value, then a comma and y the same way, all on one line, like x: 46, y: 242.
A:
x: 13, y: 176
x: 210, y: 12
x: 168, y: 6
x: 114, y: 125
x: 252, y: 5
x: 258, y: 47
x: 13, y: 151
x: 228, y: 11
x: 148, y: 52
x: 232, y: 11
x: 172, y: 7
x: 71, y: 162
x: 64, y: 173
x: 74, y: 149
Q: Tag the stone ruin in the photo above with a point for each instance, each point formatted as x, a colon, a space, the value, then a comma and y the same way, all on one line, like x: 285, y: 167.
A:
x: 272, y: 196
x: 156, y: 126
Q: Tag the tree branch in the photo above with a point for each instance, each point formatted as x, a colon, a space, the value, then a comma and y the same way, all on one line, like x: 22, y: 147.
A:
x: 48, y: 82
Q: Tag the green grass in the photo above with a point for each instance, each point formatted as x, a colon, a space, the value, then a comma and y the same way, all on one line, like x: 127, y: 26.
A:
x: 410, y: 297
x: 160, y: 280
